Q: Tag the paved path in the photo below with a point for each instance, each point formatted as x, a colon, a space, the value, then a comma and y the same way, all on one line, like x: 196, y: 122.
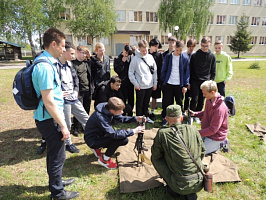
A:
x: 10, y: 65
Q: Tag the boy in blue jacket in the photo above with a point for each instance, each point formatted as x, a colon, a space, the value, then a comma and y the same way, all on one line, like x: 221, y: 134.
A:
x: 99, y: 132
x: 174, y: 77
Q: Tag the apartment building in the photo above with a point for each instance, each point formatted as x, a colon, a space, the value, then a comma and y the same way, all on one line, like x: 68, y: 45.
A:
x: 138, y: 20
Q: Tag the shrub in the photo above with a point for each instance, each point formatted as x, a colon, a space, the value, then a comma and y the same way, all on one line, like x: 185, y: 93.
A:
x: 254, y: 65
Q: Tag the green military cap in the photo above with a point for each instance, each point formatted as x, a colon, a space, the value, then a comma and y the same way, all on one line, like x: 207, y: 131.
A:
x: 173, y: 111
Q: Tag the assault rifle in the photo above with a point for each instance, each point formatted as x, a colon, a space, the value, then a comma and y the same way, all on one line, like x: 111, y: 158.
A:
x: 139, y: 144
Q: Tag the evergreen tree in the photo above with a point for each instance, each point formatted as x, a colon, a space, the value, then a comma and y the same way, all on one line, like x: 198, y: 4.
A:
x: 191, y: 16
x: 241, y: 41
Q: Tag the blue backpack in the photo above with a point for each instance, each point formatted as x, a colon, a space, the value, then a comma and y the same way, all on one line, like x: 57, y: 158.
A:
x: 23, y: 90
x: 230, y: 103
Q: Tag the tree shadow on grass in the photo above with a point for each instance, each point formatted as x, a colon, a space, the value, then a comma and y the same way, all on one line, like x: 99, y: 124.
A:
x: 19, y: 145
x: 17, y: 192
x: 82, y: 165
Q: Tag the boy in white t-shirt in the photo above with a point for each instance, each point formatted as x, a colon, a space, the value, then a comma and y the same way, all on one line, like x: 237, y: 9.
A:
x: 175, y: 78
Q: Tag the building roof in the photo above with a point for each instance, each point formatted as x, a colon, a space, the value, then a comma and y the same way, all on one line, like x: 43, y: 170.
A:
x: 10, y: 43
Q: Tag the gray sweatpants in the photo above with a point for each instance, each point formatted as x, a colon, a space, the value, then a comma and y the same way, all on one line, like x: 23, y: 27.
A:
x: 79, y: 113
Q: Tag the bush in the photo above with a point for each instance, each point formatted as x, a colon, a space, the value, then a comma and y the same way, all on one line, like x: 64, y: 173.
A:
x: 254, y: 65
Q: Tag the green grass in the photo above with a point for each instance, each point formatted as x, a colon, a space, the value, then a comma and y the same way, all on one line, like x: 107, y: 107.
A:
x: 23, y: 172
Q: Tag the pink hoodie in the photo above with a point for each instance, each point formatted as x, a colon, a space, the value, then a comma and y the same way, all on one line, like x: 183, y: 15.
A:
x: 214, y: 123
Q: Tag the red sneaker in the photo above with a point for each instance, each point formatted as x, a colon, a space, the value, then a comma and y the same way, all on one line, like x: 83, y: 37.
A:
x: 109, y: 164
x: 97, y: 152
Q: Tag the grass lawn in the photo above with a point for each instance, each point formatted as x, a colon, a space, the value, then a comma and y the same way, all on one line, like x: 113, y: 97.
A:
x: 23, y: 172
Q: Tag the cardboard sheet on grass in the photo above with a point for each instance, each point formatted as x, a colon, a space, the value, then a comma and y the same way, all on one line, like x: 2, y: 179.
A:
x: 258, y: 130
x: 135, y: 178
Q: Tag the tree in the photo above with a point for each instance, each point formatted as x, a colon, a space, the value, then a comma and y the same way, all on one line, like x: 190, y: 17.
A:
x: 28, y: 17
x: 241, y: 41
x: 95, y: 18
x: 191, y: 16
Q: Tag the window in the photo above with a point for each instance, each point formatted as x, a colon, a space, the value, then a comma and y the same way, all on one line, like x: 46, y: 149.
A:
x: 164, y: 39
x: 234, y: 2
x: 151, y: 17
x: 219, y: 38
x: 247, y: 20
x: 257, y: 2
x: 253, y: 40
x: 255, y: 21
x: 89, y: 40
x: 82, y: 41
x: 207, y: 36
x: 150, y: 37
x: 228, y: 39
x: 264, y: 21
x: 69, y: 38
x: 222, y: 1
x: 134, y: 39
x: 211, y: 20
x: 135, y: 16
x: 65, y: 15
x: 262, y: 40
x: 221, y: 19
x: 105, y: 41
x: 247, y: 2
x: 121, y: 15
x: 232, y: 20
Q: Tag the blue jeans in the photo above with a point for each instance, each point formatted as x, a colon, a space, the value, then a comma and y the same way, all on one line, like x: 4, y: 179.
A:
x: 55, y: 154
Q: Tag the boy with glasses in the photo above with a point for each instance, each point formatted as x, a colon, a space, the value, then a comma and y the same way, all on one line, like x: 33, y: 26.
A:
x: 202, y: 68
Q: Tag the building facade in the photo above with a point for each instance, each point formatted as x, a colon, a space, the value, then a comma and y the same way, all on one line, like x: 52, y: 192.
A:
x: 138, y: 20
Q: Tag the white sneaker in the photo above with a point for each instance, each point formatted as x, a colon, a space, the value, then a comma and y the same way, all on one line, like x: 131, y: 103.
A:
x: 196, y: 119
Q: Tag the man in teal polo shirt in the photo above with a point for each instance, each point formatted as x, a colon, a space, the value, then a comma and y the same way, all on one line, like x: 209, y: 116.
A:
x: 49, y: 116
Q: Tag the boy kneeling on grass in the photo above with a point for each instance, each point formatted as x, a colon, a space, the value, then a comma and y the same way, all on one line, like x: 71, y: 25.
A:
x: 99, y: 132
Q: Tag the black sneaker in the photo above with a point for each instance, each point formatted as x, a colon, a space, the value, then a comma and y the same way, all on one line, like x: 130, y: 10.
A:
x: 42, y: 148
x: 74, y: 131
x: 67, y: 195
x: 72, y: 148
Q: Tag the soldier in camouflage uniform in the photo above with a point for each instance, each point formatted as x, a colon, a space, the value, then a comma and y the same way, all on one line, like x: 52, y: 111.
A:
x: 171, y: 160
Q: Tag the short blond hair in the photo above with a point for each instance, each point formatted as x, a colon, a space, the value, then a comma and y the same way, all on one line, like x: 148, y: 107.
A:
x: 143, y: 43
x: 209, y: 86
x: 99, y: 45
x: 218, y: 42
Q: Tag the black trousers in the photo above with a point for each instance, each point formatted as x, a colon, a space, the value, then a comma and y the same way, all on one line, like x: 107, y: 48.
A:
x: 127, y: 89
x: 221, y: 88
x: 55, y: 154
x: 107, y: 142
x: 143, y: 100
x: 197, y: 99
x: 85, y: 99
x: 186, y: 101
x: 171, y: 93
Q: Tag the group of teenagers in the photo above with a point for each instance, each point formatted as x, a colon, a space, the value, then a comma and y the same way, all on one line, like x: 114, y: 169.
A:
x: 68, y: 86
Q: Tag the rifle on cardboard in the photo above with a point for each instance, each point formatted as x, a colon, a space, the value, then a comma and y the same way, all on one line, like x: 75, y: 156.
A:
x: 140, y: 147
